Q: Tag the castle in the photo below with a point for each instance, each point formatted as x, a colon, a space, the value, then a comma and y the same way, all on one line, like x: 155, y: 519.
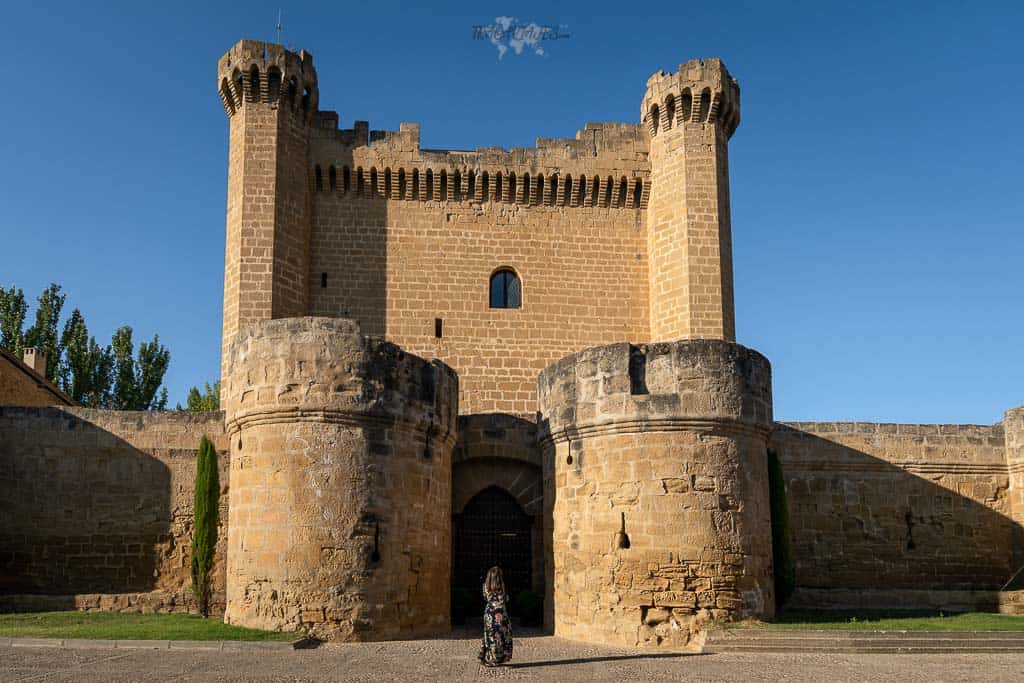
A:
x: 435, y: 361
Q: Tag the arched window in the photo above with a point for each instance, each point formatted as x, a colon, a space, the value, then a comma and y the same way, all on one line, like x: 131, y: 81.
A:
x: 457, y: 179
x: 526, y: 188
x: 670, y: 111
x: 705, y: 105
x: 444, y: 186
x: 608, y: 186
x: 430, y: 185
x: 506, y: 291
x: 655, y: 119
x: 638, y: 193
x: 346, y: 179
x: 373, y: 180
x: 319, y: 179
x: 415, y: 183
x: 553, y: 199
x: 595, y: 191
x: 387, y: 183
x: 567, y: 191
x: 359, y: 180
x: 401, y: 183
x: 512, y: 188
x: 485, y: 187
x: 623, y: 191
x: 332, y: 179
x: 498, y: 189
x: 471, y: 185
x: 539, y: 199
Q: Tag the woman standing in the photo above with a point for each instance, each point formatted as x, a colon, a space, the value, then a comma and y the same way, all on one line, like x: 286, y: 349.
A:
x: 497, y: 646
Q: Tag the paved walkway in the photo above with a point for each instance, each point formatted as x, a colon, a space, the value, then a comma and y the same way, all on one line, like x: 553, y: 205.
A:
x: 537, y: 658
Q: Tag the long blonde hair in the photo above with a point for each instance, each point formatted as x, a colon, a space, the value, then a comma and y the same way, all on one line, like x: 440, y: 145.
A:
x: 495, y: 582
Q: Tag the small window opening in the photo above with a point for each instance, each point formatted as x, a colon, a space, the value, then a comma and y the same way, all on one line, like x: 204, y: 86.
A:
x: 332, y: 178
x: 430, y: 185
x: 471, y: 185
x: 553, y: 199
x: 444, y: 186
x: 401, y: 183
x: 323, y: 280
x: 319, y: 179
x: 638, y: 193
x: 387, y: 183
x: 506, y: 290
x: 273, y: 84
x: 373, y: 181
x: 346, y: 179
x: 485, y: 187
x: 438, y: 327
x: 359, y: 180
x: 415, y: 183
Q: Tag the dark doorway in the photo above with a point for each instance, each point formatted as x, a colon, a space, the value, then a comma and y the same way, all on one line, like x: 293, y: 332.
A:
x: 493, y: 530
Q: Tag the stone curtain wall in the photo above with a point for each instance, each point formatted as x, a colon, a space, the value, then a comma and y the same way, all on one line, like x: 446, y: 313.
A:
x: 396, y: 264
x: 671, y: 438
x: 98, y: 501
x: 1013, y: 426
x: 897, y: 505
x: 341, y: 482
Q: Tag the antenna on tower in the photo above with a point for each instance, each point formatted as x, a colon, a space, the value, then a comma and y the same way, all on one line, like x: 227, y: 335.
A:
x: 279, y: 27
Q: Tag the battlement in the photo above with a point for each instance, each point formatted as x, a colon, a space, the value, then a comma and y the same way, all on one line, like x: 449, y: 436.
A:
x: 701, y: 91
x: 605, y: 165
x: 266, y: 73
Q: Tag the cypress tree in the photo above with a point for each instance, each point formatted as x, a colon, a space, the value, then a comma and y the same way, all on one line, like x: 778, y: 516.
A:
x: 204, y: 533
x: 782, y: 556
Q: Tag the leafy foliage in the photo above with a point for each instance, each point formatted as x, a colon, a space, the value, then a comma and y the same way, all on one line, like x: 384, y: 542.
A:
x: 205, y: 401
x: 204, y: 533
x: 96, y: 376
x: 782, y: 557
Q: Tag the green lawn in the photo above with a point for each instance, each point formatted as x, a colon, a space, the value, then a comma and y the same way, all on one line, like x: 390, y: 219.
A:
x: 890, y: 620
x: 117, y: 626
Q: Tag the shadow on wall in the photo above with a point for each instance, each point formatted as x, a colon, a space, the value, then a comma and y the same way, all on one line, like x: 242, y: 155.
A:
x: 83, y: 510
x: 860, y: 521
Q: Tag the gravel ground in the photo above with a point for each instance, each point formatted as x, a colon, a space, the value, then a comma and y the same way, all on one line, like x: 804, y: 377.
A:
x: 537, y: 658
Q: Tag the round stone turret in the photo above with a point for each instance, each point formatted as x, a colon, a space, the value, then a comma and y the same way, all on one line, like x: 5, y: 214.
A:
x: 656, y: 488
x: 340, y: 499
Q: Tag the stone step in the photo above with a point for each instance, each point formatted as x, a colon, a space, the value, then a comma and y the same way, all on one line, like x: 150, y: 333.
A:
x: 845, y: 649
x: 767, y: 640
x: 786, y: 634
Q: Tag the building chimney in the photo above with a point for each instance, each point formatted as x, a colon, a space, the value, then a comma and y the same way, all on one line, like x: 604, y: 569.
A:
x: 36, y: 359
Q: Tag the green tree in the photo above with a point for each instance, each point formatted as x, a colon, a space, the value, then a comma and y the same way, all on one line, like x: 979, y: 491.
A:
x: 205, y: 401
x: 136, y: 380
x: 85, y: 367
x: 204, y: 532
x: 13, y: 310
x: 43, y: 334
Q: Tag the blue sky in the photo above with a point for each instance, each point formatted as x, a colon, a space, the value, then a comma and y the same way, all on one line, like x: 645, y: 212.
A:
x: 876, y: 174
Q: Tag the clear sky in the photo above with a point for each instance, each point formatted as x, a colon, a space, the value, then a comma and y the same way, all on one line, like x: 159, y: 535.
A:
x: 876, y: 175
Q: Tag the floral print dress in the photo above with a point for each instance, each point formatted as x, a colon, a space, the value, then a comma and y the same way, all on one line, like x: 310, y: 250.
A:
x: 497, y: 645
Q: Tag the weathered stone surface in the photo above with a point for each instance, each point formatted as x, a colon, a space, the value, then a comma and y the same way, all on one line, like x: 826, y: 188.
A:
x: 101, y: 501
x: 341, y: 468
x: 699, y: 534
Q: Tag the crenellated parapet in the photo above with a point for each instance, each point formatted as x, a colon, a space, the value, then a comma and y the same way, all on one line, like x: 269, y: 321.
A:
x: 702, y: 91
x: 605, y: 165
x: 254, y: 72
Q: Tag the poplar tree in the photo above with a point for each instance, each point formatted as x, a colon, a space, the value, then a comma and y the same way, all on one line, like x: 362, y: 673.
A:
x: 13, y: 310
x: 204, y: 532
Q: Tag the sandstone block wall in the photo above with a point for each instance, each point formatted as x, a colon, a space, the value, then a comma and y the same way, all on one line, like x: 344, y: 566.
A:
x: 340, y: 508
x: 402, y: 237
x: 1013, y: 428
x: 99, y: 501
x: 668, y: 442
x: 690, y: 116
x: 898, y: 505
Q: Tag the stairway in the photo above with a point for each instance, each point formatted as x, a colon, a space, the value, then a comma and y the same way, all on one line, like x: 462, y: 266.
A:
x: 849, y: 642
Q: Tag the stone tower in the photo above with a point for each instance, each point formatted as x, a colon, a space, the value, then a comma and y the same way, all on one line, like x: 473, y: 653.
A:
x: 690, y: 115
x: 270, y: 96
x: 340, y: 501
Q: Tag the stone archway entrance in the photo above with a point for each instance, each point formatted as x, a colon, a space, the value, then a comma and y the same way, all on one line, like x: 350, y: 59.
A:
x: 492, y: 530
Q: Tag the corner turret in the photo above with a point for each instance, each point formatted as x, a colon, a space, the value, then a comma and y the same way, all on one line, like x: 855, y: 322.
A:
x: 270, y: 96
x: 690, y: 116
